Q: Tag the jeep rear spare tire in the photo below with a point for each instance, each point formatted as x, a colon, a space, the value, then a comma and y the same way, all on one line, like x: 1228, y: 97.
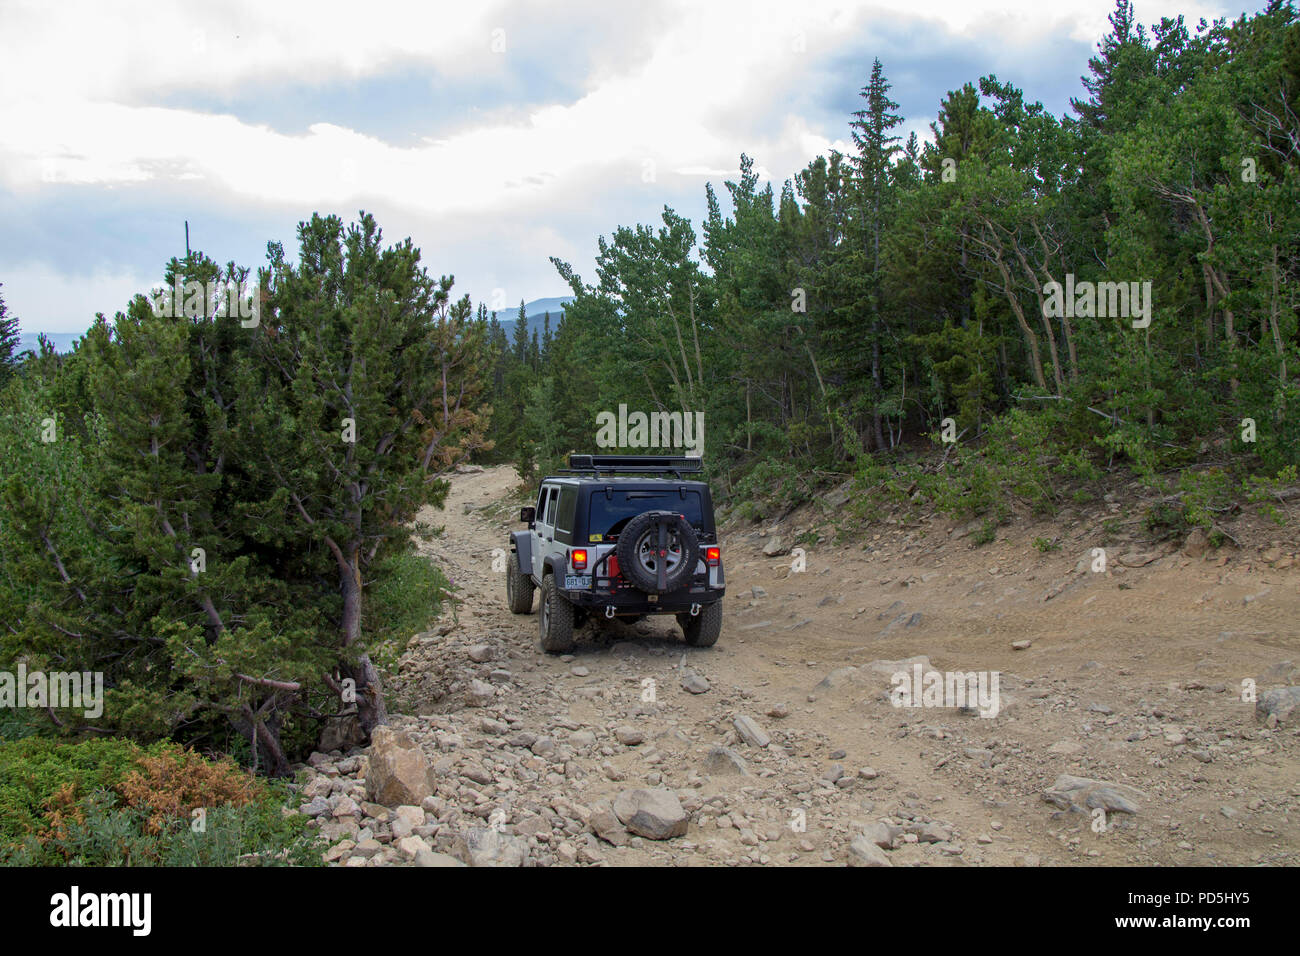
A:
x: 657, y: 551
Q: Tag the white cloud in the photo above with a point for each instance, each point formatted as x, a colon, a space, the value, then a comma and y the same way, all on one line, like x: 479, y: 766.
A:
x: 36, y: 291
x: 707, y: 82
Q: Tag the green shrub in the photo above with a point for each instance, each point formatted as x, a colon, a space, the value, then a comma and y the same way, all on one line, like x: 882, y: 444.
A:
x: 773, y: 488
x: 105, y: 833
x: 1165, y: 518
x: 34, y: 769
x: 111, y: 802
x: 407, y: 594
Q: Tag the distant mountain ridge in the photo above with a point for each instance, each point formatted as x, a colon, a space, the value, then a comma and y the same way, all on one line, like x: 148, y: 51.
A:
x: 535, y: 310
x: 536, y: 313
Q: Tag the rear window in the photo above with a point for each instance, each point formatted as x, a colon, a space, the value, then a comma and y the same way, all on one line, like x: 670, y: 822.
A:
x: 607, y: 516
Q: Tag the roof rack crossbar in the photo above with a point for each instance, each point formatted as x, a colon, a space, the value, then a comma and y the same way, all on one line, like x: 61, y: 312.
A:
x: 634, y: 464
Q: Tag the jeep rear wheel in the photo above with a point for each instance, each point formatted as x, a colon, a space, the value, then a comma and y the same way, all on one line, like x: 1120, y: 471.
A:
x: 703, y: 629
x: 519, y: 587
x: 555, y: 622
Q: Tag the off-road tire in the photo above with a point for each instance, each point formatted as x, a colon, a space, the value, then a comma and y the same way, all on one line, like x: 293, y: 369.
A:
x: 703, y: 629
x: 629, y: 543
x: 519, y: 588
x: 555, y: 619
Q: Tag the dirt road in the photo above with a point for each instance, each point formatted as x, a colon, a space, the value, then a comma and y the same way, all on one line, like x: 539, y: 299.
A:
x: 1133, y: 675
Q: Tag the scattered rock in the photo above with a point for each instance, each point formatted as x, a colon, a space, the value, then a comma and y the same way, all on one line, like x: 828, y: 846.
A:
x: 883, y: 835
x: 605, y: 825
x: 480, y: 693
x: 316, y: 807
x: 930, y: 832
x: 863, y: 852
x: 750, y: 732
x: 695, y: 684
x: 724, y: 760
x: 628, y: 736
x: 775, y: 548
x: 413, y: 846
x: 1197, y: 543
x: 404, y: 821
x: 486, y: 847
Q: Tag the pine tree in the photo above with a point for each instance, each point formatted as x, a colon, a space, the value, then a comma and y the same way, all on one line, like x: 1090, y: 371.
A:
x: 877, y: 147
x: 371, y: 385
x: 519, y: 337
x: 9, y: 341
x: 1108, y: 73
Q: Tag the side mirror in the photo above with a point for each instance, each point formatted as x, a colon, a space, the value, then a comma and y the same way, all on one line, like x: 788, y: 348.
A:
x: 527, y: 515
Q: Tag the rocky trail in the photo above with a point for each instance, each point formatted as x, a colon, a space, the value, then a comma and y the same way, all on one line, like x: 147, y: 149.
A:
x: 1125, y: 732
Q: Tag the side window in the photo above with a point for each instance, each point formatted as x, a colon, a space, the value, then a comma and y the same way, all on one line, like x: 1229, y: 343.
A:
x: 564, y: 514
x: 550, y: 507
x: 541, y: 504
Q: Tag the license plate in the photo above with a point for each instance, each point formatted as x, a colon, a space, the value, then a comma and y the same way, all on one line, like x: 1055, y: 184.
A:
x: 577, y: 582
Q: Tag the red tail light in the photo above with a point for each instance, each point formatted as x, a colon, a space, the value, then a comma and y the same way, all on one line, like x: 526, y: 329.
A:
x: 612, y: 565
x: 712, y: 556
x: 578, y: 557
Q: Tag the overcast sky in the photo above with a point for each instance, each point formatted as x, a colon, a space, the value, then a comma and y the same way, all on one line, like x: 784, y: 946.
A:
x: 495, y: 134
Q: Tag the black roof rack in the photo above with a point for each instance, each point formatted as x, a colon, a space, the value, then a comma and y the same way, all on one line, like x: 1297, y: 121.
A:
x: 634, y: 464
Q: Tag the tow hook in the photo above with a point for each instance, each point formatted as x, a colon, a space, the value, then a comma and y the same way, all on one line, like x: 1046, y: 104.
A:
x: 695, y: 610
x: 609, y: 610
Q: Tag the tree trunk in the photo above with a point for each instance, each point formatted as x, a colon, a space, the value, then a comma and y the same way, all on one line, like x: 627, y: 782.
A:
x: 371, y: 710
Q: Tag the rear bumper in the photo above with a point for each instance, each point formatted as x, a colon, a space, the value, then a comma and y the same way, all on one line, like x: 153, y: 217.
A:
x: 626, y: 600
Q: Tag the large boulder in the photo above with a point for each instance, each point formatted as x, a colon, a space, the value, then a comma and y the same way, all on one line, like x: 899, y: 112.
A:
x: 1279, y: 707
x: 399, y: 771
x: 654, y: 814
x: 1083, y: 793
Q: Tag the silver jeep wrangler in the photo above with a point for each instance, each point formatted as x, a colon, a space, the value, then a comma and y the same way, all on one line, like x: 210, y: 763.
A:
x: 619, y: 536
